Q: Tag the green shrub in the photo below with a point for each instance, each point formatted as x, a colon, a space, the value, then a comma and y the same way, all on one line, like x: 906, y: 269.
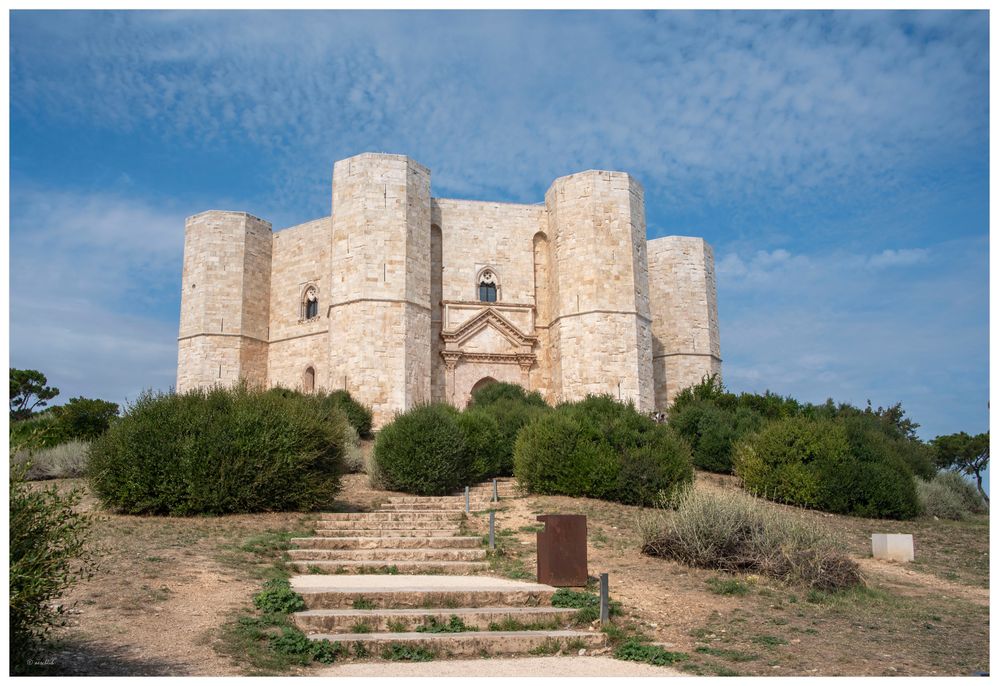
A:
x: 511, y: 416
x: 47, y: 555
x: 494, y: 392
x: 483, y: 442
x: 836, y: 466
x: 423, y: 451
x: 220, y: 451
x: 734, y: 532
x: 63, y: 461
x: 41, y: 430
x: 358, y: 415
x: 85, y: 418
x: 600, y: 448
x: 712, y: 431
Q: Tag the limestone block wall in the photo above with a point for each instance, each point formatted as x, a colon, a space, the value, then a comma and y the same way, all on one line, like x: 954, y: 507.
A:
x: 601, y: 301
x: 686, y: 342
x: 479, y: 234
x: 379, y: 326
x: 225, y: 300
x: 300, y: 260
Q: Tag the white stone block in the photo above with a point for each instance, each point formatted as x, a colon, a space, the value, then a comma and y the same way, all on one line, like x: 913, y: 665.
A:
x: 896, y: 547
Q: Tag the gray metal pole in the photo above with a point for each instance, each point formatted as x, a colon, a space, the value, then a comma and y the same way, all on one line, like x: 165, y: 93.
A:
x: 492, y: 530
x: 495, y: 492
x: 466, y: 500
x: 604, y: 599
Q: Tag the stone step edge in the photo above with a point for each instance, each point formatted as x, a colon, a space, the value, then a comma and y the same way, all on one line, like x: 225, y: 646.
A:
x: 400, y: 554
x: 395, y: 539
x: 421, y: 611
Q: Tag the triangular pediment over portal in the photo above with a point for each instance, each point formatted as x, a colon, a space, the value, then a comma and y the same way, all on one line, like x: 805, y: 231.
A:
x: 489, y: 332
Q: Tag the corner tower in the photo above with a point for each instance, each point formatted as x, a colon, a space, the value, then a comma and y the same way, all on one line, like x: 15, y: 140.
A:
x: 379, y: 334
x: 601, y: 333
x: 224, y: 304
x: 686, y: 343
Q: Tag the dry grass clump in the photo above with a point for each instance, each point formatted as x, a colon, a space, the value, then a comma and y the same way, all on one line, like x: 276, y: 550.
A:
x: 64, y: 461
x: 734, y: 532
x: 949, y: 496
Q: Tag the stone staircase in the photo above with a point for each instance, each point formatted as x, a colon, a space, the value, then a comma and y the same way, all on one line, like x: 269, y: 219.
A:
x: 389, y: 580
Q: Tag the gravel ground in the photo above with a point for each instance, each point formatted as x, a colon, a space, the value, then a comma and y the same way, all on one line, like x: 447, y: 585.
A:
x: 510, y: 666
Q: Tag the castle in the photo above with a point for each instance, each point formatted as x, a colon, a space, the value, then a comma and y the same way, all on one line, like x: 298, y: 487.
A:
x: 402, y: 298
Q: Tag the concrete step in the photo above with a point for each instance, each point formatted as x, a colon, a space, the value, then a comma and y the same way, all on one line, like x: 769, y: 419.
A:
x: 473, y: 642
x: 376, y: 566
x: 386, y: 524
x: 418, y: 591
x: 393, y: 554
x: 393, y: 531
x: 371, y: 542
x: 337, y: 621
x: 435, y: 507
x: 397, y: 516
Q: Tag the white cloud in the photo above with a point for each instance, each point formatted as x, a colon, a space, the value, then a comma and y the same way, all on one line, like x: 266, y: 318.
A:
x: 94, y: 289
x: 713, y: 104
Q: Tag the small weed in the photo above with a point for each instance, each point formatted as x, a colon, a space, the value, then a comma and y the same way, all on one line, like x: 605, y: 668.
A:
x: 586, y: 615
x: 531, y: 528
x: 277, y: 597
x: 314, y: 569
x: 769, y: 641
x: 360, y: 651
x: 733, y: 655
x: 398, y: 651
x: 575, y: 645
x: 778, y: 621
x: 155, y: 558
x: 549, y: 647
x: 362, y: 603
x: 634, y: 651
x: 513, y: 624
x: 361, y: 628
x: 563, y: 597
x: 396, y: 626
x: 454, y: 625
x: 727, y: 586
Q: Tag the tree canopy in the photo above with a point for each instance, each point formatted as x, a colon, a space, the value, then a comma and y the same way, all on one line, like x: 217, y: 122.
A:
x: 964, y: 453
x: 28, y: 390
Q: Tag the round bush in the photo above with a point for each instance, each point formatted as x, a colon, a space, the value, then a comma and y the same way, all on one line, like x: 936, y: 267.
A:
x: 491, y: 393
x: 484, y: 443
x: 219, y: 451
x: 511, y: 416
x: 712, y: 431
x: 829, y: 465
x: 600, y: 448
x: 423, y: 452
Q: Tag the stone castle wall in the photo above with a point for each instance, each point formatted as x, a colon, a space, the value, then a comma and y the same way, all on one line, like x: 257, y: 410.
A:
x: 586, y: 304
x: 686, y: 344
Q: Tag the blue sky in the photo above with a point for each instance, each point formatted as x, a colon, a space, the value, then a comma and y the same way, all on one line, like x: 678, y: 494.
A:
x: 837, y: 162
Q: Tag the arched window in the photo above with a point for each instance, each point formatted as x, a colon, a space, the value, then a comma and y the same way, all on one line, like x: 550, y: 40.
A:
x: 487, y: 286
x: 309, y: 380
x: 310, y: 303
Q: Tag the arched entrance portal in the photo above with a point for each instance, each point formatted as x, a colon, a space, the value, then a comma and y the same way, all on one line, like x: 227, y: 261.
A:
x: 481, y: 383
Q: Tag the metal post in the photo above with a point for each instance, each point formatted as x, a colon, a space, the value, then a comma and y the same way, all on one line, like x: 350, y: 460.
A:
x: 495, y: 492
x: 466, y: 500
x: 604, y: 599
x: 492, y: 530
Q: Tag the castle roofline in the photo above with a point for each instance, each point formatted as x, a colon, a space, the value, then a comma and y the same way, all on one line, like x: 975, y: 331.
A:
x: 229, y: 212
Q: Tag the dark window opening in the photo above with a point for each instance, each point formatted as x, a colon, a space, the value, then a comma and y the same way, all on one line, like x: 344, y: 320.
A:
x: 487, y: 292
x: 311, y: 309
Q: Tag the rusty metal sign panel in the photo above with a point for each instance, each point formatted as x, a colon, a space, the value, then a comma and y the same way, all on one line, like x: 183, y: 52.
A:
x: 562, y: 550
